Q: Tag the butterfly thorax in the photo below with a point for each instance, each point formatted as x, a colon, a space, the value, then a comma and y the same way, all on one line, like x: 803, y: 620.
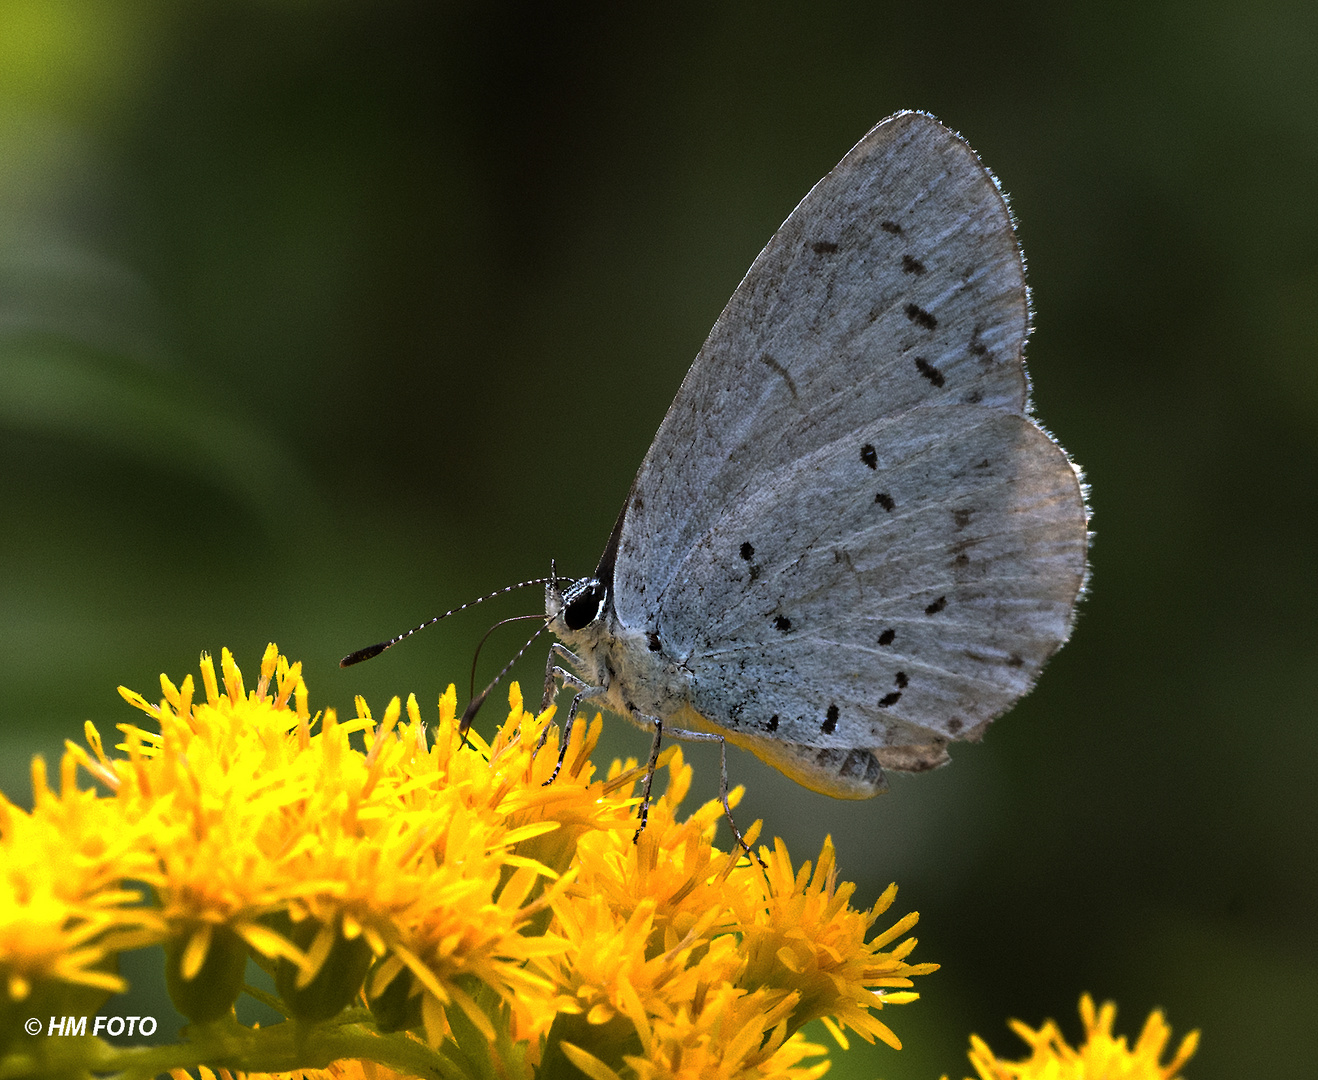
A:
x: 635, y: 676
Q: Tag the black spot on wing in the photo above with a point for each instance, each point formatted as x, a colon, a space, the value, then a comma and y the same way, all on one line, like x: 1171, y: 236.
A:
x: 869, y: 456
x: 955, y: 724
x: 936, y: 606
x: 772, y: 724
x: 977, y: 346
x: 929, y: 371
x: 912, y: 265
x: 830, y: 720
x: 823, y: 247
x: 890, y: 227
x: 886, y: 637
x: 747, y: 552
x: 655, y: 644
x: 1015, y: 660
x: 920, y: 317
x: 782, y: 623
x: 962, y: 518
x: 901, y: 680
x: 884, y: 500
x: 890, y: 699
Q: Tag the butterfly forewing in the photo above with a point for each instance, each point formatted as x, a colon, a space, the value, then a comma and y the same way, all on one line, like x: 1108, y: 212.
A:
x: 896, y: 282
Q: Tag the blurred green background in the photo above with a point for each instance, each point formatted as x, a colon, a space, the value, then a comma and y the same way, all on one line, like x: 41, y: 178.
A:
x: 317, y: 318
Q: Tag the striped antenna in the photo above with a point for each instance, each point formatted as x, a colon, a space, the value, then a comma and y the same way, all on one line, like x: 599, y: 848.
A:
x: 375, y: 650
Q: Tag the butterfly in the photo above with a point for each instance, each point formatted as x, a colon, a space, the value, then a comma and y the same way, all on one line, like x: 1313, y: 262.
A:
x: 850, y: 543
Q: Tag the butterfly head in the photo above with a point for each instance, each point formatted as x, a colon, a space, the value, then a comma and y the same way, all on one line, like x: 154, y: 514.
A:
x: 577, y: 606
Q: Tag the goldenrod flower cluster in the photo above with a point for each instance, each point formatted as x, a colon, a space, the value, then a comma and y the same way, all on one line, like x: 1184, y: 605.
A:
x: 424, y: 902
x: 1102, y: 1056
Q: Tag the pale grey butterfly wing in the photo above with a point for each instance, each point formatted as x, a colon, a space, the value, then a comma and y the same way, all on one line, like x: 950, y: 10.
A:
x: 876, y: 343
x: 877, y: 612
x: 902, y: 255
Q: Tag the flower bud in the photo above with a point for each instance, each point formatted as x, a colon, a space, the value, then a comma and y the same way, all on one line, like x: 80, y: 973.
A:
x: 337, y: 981
x: 214, y: 985
x: 396, y: 1008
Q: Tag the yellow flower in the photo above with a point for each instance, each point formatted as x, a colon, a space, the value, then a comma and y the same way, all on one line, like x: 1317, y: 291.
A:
x: 722, y: 1032
x: 339, y: 1070
x: 688, y: 961
x: 64, y: 911
x: 496, y: 925
x: 1102, y: 1057
x: 234, y: 789
x: 473, y: 816
x: 805, y: 936
x: 219, y: 784
x: 322, y: 858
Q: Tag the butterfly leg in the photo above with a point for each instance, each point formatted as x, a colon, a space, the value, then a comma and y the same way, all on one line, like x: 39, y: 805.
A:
x: 587, y: 692
x: 688, y: 736
x: 554, y: 676
x: 557, y: 678
x: 553, y: 672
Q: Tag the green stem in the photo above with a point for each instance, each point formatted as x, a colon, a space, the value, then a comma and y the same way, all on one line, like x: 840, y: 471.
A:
x: 285, y: 1047
x: 265, y: 999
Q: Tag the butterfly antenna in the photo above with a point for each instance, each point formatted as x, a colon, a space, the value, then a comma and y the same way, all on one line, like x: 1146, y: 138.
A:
x: 375, y: 650
x: 469, y: 714
x: 471, y: 685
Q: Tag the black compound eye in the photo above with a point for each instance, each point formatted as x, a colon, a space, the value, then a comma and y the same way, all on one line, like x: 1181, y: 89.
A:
x: 583, y: 603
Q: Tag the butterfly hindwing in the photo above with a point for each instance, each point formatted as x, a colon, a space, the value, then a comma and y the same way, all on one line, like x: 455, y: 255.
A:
x: 880, y: 603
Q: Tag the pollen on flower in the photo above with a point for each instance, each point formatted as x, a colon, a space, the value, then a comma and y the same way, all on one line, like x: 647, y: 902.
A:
x: 1102, y: 1054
